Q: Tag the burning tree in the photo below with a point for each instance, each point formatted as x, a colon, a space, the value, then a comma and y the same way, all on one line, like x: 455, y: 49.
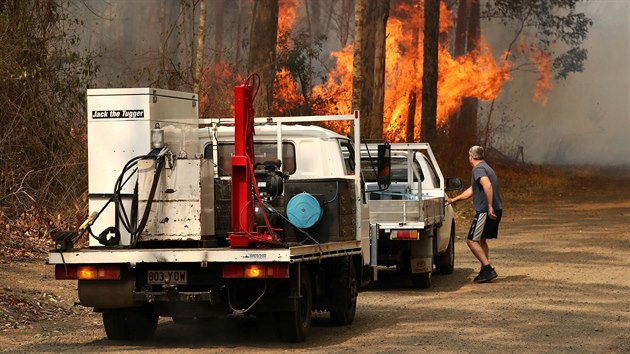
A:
x: 469, y: 74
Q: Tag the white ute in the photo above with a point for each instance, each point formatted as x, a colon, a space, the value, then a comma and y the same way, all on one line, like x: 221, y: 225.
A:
x: 415, y: 230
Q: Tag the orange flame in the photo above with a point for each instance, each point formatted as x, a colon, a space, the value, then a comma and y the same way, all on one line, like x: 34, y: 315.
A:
x: 544, y: 85
x: 286, y: 93
x: 335, y: 95
x: 287, y: 14
x: 217, y: 81
x: 474, y: 75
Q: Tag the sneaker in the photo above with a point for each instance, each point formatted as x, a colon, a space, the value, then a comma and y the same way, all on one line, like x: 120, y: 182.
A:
x: 486, y: 274
x: 476, y: 280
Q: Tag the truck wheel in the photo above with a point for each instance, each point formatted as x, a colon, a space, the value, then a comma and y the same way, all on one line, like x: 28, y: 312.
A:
x: 141, y: 323
x: 421, y: 280
x: 348, y: 299
x: 114, y: 323
x: 129, y: 324
x: 295, y: 324
x: 445, y: 262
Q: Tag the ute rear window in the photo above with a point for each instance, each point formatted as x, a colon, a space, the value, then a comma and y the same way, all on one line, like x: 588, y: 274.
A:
x: 263, y: 151
x: 399, y: 170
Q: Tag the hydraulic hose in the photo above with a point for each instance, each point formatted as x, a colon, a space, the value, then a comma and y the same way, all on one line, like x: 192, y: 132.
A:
x: 147, y: 209
x: 131, y: 225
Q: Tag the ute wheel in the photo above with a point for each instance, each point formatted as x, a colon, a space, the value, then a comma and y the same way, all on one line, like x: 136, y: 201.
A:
x: 348, y: 288
x: 445, y: 263
x: 421, y: 280
x: 295, y: 324
x: 129, y: 324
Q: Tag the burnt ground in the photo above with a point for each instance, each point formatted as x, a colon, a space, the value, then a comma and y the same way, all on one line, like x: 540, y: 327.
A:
x: 563, y: 260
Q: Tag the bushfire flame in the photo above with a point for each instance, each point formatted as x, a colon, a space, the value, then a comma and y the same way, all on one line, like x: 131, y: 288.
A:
x: 287, y: 14
x: 474, y: 75
x: 544, y: 85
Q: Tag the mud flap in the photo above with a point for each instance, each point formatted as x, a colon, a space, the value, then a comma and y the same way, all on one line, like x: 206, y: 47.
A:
x: 422, y: 254
x: 108, y: 294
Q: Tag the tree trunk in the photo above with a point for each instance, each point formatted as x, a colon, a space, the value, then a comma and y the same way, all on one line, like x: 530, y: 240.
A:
x: 411, y: 116
x: 262, y: 52
x: 315, y: 17
x: 468, y: 113
x: 430, y: 69
x: 345, y: 18
x: 363, y: 62
x: 239, y: 17
x: 218, y: 31
x: 456, y: 131
x: 378, y: 99
x: 201, y: 34
x: 413, y: 93
x: 461, y: 27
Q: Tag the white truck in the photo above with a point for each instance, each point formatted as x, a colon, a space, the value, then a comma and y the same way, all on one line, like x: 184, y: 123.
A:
x: 266, y: 219
x: 415, y: 229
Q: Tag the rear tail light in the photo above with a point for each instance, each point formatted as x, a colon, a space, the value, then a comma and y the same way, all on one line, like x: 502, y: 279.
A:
x: 63, y: 272
x: 256, y: 270
x: 87, y: 272
x: 404, y: 234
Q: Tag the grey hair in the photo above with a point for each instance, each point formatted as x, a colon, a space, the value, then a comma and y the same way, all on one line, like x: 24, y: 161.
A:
x: 476, y: 152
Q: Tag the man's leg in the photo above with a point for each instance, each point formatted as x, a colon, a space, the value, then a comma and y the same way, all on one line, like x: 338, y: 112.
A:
x: 478, y: 251
x: 479, y: 247
x: 486, y: 250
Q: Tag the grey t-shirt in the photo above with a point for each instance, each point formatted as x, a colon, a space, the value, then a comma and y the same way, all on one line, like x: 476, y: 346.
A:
x: 479, y: 198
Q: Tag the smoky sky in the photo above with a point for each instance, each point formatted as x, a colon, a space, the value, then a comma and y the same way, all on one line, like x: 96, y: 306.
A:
x: 586, y: 120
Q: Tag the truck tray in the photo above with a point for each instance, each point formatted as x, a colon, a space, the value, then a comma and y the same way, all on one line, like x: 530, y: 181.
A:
x: 99, y: 255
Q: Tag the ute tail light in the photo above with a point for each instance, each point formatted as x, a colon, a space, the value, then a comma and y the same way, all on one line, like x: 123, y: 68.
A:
x: 87, y: 272
x: 404, y: 235
x: 256, y: 270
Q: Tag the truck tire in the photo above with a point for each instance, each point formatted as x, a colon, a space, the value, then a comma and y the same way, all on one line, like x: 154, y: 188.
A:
x: 421, y: 280
x: 445, y: 262
x: 348, y: 286
x: 295, y: 324
x: 114, y: 323
x: 129, y: 324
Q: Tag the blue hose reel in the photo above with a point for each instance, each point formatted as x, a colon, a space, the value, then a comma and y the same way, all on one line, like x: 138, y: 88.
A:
x: 304, y: 211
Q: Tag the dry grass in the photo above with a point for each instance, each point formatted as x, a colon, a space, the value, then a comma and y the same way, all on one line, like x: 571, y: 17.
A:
x: 529, y: 183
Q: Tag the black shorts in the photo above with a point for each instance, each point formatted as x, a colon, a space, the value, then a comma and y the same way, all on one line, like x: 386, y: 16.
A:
x: 484, y: 227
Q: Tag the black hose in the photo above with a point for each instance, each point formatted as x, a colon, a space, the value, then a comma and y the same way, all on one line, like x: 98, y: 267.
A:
x: 127, y: 224
x: 147, y: 209
x: 130, y: 225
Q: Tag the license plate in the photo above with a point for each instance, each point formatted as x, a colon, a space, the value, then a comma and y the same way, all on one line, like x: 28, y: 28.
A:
x: 175, y: 277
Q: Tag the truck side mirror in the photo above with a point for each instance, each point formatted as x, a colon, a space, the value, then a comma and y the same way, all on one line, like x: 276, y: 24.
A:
x: 453, y: 184
x: 384, y: 163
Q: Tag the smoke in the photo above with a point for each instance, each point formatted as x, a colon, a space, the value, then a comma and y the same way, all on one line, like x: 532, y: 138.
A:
x: 587, y: 117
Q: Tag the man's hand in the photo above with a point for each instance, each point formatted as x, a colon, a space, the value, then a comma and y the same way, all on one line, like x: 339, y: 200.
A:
x: 448, y: 200
x: 491, y: 213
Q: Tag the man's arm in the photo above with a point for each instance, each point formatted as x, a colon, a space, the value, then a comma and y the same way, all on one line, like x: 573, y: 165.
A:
x: 487, y: 190
x: 463, y: 196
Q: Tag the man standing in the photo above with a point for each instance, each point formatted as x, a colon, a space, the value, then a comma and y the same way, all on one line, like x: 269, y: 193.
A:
x: 486, y: 196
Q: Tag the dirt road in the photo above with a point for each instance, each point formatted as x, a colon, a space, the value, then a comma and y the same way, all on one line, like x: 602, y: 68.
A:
x: 564, y: 286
